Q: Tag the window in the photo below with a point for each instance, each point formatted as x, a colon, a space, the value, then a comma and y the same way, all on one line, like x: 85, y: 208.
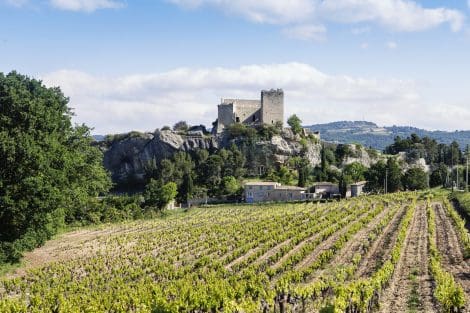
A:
x: 254, y: 118
x: 237, y: 119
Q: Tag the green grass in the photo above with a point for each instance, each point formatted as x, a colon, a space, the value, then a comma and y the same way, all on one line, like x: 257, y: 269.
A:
x: 414, y: 301
x: 463, y: 198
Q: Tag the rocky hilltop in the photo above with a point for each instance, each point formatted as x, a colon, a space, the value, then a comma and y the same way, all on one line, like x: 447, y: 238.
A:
x: 127, y: 155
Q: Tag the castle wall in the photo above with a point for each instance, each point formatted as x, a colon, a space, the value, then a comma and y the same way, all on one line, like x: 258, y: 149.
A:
x: 268, y: 110
x: 272, y: 106
x: 225, y: 117
x: 248, y: 111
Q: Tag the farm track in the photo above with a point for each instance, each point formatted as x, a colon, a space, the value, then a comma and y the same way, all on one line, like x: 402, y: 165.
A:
x: 451, y: 250
x: 381, y: 248
x: 413, y: 261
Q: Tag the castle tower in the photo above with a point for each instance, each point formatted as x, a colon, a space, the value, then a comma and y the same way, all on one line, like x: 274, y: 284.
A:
x: 272, y: 106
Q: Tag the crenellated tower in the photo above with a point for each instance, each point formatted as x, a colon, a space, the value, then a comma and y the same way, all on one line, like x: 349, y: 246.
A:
x: 272, y: 106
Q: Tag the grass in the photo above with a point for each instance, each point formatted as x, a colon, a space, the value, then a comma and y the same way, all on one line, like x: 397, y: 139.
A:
x: 414, y: 301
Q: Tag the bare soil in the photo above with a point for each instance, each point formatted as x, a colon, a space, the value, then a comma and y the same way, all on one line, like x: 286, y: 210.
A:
x: 353, y: 246
x: 381, y: 248
x: 413, y: 263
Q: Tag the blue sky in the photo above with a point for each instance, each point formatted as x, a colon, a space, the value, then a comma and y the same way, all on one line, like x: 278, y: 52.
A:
x: 143, y: 64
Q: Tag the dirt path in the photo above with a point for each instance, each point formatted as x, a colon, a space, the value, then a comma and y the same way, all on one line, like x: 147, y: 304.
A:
x: 411, y: 279
x: 66, y: 247
x: 451, y: 250
x: 381, y: 248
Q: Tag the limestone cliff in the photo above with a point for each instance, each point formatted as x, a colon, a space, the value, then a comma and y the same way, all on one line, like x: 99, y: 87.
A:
x: 126, y: 156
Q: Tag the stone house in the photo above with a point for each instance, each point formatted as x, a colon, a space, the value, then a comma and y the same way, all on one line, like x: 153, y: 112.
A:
x: 327, y: 189
x: 357, y: 188
x: 274, y: 192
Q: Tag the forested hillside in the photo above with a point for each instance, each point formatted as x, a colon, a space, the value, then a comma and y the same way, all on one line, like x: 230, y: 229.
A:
x: 371, y: 135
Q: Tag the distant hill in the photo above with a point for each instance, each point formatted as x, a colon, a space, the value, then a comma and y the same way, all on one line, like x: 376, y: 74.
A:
x: 371, y: 135
x: 98, y: 137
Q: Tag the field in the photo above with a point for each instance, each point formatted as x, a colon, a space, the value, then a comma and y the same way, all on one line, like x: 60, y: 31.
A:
x: 404, y: 252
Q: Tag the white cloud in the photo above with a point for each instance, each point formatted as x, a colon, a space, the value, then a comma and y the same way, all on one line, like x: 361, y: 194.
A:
x: 263, y: 11
x: 391, y: 45
x: 86, y: 5
x: 306, y: 32
x: 396, y: 15
x: 147, y: 101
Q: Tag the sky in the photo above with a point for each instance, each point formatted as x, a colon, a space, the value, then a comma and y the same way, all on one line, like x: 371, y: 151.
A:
x: 142, y: 64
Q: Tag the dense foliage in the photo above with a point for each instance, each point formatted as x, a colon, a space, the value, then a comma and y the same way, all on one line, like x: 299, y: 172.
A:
x: 49, y: 169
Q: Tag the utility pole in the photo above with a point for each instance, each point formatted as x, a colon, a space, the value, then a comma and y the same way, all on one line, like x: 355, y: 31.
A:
x: 466, y: 181
x: 452, y: 168
x: 386, y: 181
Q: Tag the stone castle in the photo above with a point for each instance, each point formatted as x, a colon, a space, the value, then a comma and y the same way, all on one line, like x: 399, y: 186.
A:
x: 268, y: 110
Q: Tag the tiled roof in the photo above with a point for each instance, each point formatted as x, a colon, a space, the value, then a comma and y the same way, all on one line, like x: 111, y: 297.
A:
x: 261, y: 183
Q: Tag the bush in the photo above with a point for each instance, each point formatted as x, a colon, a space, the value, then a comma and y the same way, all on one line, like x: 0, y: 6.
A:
x: 415, y: 179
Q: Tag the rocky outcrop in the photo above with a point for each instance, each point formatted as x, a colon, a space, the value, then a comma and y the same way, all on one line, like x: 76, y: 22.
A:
x: 127, y: 156
x: 284, y: 148
x: 358, y: 154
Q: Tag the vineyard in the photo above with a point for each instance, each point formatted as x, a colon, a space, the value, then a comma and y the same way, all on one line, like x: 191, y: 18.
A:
x: 402, y: 252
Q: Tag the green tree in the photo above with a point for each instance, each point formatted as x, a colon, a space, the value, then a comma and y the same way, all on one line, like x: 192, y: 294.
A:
x: 158, y: 195
x: 415, y: 179
x: 394, y: 177
x: 375, y: 177
x: 283, y: 175
x: 439, y: 176
x: 230, y: 185
x: 48, y: 170
x: 302, y: 165
x: 181, y: 126
x: 187, y: 188
x: 295, y: 124
x: 355, y: 171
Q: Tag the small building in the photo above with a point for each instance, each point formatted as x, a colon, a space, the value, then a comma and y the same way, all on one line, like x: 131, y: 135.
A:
x: 357, y: 188
x: 275, y: 192
x: 327, y: 189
